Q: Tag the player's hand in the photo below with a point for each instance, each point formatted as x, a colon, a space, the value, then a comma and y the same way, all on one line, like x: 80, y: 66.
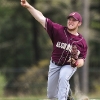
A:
x: 25, y: 4
x: 80, y: 63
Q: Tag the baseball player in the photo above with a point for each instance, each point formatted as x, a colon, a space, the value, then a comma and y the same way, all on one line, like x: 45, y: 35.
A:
x: 69, y: 51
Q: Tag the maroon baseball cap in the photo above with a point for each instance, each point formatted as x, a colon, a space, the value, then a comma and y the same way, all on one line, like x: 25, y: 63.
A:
x: 76, y: 15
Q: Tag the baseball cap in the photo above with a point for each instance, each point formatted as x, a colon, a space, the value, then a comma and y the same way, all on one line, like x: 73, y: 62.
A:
x: 76, y: 15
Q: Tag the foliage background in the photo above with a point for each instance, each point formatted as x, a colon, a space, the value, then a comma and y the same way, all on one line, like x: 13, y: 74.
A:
x: 25, y: 48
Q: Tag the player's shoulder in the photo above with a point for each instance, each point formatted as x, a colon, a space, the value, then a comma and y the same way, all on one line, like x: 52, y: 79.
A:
x: 84, y: 42
x: 83, y: 38
x: 54, y: 24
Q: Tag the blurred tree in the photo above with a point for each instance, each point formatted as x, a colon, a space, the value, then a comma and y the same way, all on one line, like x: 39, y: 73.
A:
x: 94, y: 44
x: 85, y: 68
x: 35, y: 34
x: 15, y: 57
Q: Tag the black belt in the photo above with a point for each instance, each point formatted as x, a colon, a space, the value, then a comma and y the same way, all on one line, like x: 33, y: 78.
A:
x: 58, y: 64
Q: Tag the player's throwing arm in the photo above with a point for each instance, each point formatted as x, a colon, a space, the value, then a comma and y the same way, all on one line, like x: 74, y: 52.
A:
x: 35, y: 13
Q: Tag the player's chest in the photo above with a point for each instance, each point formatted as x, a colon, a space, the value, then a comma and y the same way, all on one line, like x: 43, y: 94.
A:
x: 64, y: 41
x: 62, y: 38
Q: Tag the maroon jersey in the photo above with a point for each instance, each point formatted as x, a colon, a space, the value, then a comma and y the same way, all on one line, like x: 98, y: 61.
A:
x: 63, y: 41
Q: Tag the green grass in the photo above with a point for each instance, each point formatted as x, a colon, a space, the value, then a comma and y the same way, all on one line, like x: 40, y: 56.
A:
x: 23, y: 98
x: 34, y: 98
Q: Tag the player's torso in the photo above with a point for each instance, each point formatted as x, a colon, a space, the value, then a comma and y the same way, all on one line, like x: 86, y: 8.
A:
x: 62, y: 45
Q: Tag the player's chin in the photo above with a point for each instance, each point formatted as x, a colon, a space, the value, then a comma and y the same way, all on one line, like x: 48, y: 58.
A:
x: 71, y: 28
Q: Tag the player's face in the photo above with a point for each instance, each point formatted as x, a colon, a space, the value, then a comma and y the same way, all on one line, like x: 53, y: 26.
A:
x: 72, y: 23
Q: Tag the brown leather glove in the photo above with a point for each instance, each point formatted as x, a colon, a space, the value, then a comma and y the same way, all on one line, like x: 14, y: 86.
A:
x: 74, y: 56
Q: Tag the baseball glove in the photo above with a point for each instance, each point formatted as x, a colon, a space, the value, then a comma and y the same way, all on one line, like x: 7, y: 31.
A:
x: 74, y: 56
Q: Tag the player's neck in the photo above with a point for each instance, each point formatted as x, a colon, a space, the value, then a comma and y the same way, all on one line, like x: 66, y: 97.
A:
x: 74, y: 32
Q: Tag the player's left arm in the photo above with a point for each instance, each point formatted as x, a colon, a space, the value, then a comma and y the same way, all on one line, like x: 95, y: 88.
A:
x: 82, y: 57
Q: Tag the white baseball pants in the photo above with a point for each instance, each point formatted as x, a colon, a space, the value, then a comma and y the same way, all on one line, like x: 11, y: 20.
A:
x: 58, y: 81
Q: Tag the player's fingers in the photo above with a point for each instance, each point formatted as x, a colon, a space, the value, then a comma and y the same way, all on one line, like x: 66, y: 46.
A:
x: 23, y: 1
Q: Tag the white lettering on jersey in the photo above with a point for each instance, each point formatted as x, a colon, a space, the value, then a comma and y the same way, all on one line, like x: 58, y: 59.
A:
x: 69, y: 47
x: 58, y: 44
x: 66, y: 46
x: 63, y: 45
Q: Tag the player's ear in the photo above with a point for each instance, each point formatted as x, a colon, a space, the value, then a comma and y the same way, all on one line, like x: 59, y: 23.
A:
x: 80, y: 23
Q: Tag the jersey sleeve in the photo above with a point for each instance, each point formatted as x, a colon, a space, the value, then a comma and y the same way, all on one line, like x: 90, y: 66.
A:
x: 83, y: 52
x: 52, y: 28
